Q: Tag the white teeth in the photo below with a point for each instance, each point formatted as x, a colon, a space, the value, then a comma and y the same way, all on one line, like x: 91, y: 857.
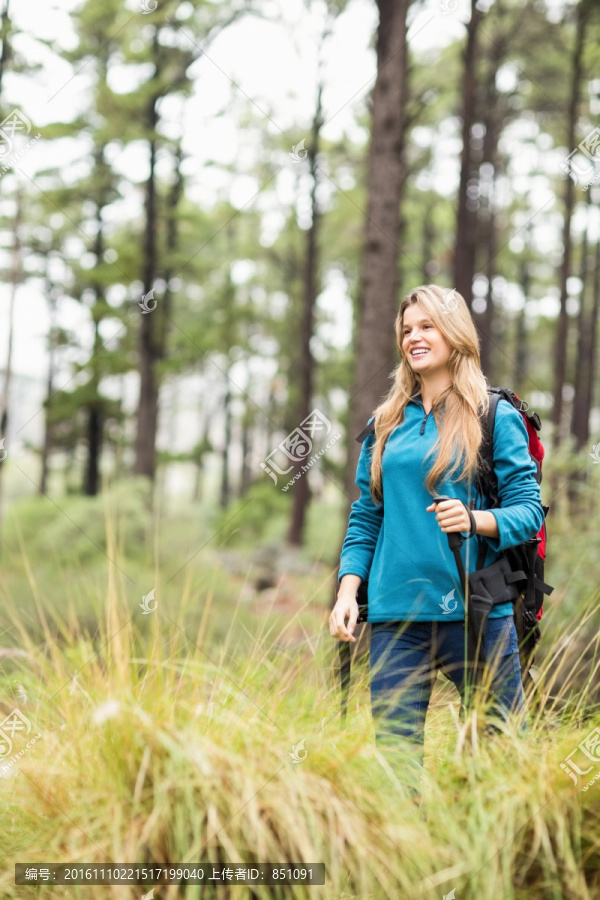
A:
x: 419, y: 352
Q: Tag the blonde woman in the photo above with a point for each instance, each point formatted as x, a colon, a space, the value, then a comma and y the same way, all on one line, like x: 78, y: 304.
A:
x: 426, y: 442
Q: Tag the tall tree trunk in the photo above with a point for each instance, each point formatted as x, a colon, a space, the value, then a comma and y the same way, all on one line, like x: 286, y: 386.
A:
x: 592, y: 496
x: 163, y: 315
x: 145, y: 444
x: 486, y: 212
x: 594, y: 322
x: 202, y: 442
x: 301, y: 492
x: 560, y: 349
x: 464, y: 250
x: 427, y: 237
x: 375, y: 340
x: 94, y: 436
x: 583, y: 373
x: 15, y: 277
x: 225, y: 488
x: 487, y: 318
x: 521, y: 349
x: 94, y: 410
x: 245, y: 474
x: 47, y: 444
x: 5, y: 25
x: 591, y: 351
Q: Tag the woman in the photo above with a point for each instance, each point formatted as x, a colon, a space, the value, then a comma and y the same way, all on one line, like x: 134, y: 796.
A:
x: 426, y: 442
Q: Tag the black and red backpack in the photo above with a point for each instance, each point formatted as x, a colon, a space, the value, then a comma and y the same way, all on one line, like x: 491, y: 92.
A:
x: 527, y: 558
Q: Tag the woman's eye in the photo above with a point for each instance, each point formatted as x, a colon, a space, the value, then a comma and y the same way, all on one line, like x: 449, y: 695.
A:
x: 407, y: 332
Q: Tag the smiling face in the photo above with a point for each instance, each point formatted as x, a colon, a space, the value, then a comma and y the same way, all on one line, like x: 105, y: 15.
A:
x: 426, y: 348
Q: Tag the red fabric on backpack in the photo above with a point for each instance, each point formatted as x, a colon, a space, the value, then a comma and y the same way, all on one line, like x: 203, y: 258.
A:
x: 536, y: 449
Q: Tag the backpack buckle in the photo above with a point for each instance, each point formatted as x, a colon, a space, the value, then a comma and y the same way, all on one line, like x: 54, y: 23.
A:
x: 535, y: 421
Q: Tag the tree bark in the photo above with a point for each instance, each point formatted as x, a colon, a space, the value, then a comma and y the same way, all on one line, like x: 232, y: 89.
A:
x: 595, y: 320
x: 47, y: 444
x: 591, y: 351
x: 5, y: 24
x: 487, y: 318
x: 225, y: 489
x: 15, y: 278
x: 301, y: 492
x: 560, y: 349
x: 375, y: 340
x: 521, y: 342
x: 94, y: 410
x: 145, y: 444
x: 246, y: 474
x: 427, y: 237
x: 94, y: 436
x: 583, y: 372
x: 464, y: 252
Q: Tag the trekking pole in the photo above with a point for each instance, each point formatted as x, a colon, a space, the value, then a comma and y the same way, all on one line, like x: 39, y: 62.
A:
x: 474, y: 651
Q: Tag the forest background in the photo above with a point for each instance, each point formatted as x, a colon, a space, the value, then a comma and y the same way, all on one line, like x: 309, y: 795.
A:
x: 209, y: 213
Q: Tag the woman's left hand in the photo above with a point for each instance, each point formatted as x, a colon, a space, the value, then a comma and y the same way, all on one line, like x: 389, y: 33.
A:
x: 451, y: 515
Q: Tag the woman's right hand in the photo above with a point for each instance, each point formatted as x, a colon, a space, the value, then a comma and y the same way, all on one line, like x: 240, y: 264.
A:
x: 346, y: 607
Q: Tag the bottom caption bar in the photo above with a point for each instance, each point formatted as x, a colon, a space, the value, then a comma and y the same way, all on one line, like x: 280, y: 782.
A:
x: 197, y: 873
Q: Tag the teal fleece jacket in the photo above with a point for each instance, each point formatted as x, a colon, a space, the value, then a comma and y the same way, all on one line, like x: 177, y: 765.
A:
x: 401, y: 548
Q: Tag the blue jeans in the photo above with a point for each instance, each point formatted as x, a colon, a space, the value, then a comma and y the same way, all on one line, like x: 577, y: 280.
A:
x: 404, y: 658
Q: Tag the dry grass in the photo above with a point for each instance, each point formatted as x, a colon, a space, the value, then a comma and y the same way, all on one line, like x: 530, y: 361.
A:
x: 161, y: 743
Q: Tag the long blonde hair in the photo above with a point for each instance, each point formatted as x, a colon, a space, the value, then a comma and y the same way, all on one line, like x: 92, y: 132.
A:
x: 456, y: 409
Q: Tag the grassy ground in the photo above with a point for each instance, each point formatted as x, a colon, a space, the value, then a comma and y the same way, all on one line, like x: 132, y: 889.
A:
x: 169, y: 737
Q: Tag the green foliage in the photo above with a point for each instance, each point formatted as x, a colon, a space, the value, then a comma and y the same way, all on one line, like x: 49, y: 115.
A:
x: 73, y: 529
x: 260, y: 515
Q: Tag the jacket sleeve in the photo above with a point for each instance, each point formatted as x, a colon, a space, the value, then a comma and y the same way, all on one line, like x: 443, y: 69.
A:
x: 364, y: 523
x: 520, y: 515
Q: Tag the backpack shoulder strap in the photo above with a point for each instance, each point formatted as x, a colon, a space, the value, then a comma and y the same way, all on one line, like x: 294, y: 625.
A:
x: 486, y: 481
x: 486, y: 473
x: 370, y: 429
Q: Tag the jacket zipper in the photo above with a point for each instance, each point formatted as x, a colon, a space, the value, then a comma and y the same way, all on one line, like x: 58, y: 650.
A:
x: 425, y: 417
